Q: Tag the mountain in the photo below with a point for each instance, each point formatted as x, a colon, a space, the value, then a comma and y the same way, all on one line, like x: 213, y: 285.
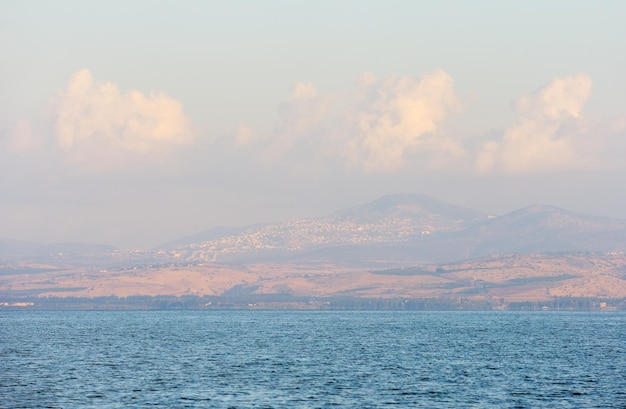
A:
x: 545, y: 229
x: 400, y: 246
x: 392, y: 230
x: 416, y: 206
x: 16, y: 248
x: 531, y: 230
x: 404, y: 229
x: 388, y: 220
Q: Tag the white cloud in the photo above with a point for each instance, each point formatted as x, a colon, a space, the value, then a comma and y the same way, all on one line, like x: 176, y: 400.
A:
x: 96, y: 122
x: 301, y: 118
x: 549, y: 133
x: 373, y: 127
x: 396, y: 114
x: 561, y: 98
x: 303, y: 91
x: 244, y: 135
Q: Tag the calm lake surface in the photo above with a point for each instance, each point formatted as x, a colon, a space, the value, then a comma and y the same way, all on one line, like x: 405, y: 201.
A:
x: 311, y: 359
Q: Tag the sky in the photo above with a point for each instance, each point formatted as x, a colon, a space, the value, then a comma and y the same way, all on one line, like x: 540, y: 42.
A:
x: 136, y: 123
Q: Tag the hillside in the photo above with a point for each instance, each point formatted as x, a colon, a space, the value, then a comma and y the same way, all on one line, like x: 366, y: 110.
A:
x: 400, y: 246
x: 497, y: 280
x: 410, y: 229
x: 388, y: 220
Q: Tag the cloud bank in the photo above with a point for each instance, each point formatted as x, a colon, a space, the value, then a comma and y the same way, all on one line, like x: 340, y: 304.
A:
x: 548, y: 134
x: 381, y: 125
x: 382, y: 135
x: 95, y: 122
x: 394, y: 115
x: 373, y: 127
x: 399, y: 123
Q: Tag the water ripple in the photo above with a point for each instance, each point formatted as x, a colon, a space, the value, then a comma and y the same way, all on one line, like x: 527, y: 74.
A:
x: 298, y: 359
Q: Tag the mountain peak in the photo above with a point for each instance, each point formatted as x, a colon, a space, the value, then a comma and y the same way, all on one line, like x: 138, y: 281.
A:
x: 410, y: 206
x: 395, y: 227
x: 550, y: 223
x: 390, y: 202
x: 541, y: 208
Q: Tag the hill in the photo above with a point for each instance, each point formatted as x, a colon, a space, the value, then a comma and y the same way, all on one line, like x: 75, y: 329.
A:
x: 396, y: 247
x: 410, y: 229
x: 389, y: 220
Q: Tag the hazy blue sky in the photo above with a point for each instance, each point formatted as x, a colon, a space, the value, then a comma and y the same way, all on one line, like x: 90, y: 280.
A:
x: 134, y: 123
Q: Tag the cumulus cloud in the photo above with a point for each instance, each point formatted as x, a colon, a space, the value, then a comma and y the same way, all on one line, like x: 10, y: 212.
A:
x: 301, y: 119
x: 548, y: 134
x: 94, y: 120
x: 396, y: 114
x: 373, y: 127
x: 244, y: 135
x: 303, y: 91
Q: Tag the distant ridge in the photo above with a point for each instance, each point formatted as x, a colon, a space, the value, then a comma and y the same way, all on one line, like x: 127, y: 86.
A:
x: 411, y: 228
x: 387, y: 220
x: 398, y: 246
x: 394, y: 229
x: 542, y: 228
x: 16, y: 248
x: 410, y: 205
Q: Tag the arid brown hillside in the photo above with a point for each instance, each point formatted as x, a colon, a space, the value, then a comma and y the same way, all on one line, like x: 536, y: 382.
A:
x: 500, y: 279
x: 397, y: 247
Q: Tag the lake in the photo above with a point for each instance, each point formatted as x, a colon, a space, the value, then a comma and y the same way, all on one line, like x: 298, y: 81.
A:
x: 312, y: 359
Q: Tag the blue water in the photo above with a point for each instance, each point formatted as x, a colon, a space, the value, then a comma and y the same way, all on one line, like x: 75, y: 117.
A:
x: 307, y: 359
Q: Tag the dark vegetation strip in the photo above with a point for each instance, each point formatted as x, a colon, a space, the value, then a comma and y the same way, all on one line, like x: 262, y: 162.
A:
x: 287, y: 301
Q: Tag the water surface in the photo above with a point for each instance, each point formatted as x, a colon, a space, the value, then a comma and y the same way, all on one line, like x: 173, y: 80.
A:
x: 311, y: 359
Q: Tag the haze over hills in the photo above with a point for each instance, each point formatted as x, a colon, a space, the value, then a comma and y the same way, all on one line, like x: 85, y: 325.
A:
x: 394, y: 229
x: 400, y: 246
x: 16, y: 249
x: 388, y: 220
x: 546, y: 229
x: 411, y: 229
x: 208, y: 235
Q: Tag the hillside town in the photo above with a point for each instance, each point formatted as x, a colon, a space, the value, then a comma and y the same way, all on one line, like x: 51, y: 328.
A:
x: 299, y: 234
